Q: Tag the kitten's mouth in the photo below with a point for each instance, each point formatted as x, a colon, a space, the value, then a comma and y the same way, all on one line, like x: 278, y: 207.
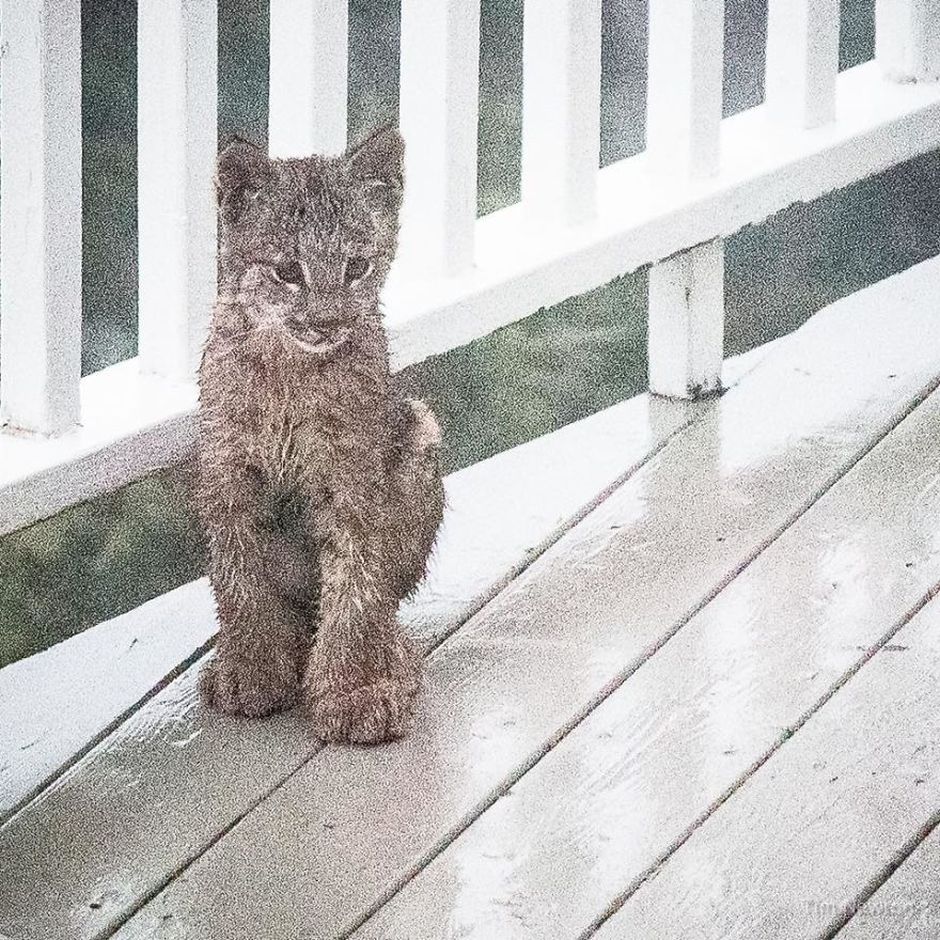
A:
x: 319, y: 342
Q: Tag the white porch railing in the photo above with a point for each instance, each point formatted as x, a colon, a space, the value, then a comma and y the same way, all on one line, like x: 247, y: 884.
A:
x: 458, y: 278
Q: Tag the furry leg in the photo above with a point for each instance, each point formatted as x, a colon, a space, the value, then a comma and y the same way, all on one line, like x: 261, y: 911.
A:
x: 363, y: 673
x: 262, y: 637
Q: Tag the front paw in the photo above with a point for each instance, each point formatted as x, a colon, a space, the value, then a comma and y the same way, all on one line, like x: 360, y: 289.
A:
x: 240, y: 686
x: 381, y: 709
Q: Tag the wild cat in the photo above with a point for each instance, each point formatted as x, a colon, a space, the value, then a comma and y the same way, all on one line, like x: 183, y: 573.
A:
x: 319, y: 483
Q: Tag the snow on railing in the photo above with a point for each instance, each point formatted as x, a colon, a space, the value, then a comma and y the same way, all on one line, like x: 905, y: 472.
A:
x: 458, y: 278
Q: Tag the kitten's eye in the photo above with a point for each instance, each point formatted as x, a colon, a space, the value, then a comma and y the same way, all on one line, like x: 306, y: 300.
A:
x: 290, y: 272
x: 356, y: 269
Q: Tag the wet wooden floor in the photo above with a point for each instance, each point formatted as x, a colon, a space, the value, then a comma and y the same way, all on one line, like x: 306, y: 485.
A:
x: 682, y: 680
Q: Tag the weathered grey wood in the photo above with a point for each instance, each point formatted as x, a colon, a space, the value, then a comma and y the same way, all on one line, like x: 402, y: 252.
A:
x: 821, y: 819
x: 907, y: 905
x: 319, y: 853
x: 605, y: 805
x: 171, y: 779
x: 55, y: 703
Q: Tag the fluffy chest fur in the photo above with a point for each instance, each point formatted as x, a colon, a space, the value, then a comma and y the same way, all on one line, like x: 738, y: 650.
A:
x: 322, y: 425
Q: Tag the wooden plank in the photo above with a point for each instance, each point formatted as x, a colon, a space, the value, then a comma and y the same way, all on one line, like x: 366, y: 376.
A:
x: 686, y: 63
x: 440, y: 57
x: 687, y: 322
x: 561, y: 63
x: 308, y: 77
x: 41, y: 223
x: 97, y: 865
x: 907, y: 39
x: 827, y: 815
x: 636, y: 776
x: 906, y: 906
x: 176, y: 150
x: 321, y: 852
x: 802, y: 62
x: 55, y: 704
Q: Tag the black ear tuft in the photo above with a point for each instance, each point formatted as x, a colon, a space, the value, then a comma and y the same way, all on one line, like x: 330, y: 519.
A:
x: 379, y: 159
x: 241, y: 172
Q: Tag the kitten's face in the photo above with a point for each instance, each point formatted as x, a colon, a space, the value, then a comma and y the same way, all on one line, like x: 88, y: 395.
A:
x: 306, y: 244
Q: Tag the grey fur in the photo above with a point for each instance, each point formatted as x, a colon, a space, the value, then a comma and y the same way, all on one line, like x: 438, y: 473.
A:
x: 318, y: 482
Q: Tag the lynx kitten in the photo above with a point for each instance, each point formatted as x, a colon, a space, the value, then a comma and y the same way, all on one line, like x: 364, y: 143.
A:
x: 318, y: 481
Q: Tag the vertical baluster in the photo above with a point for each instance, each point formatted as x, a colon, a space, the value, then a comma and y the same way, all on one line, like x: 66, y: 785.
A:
x: 176, y: 150
x: 907, y: 39
x: 561, y: 109
x: 440, y: 55
x: 41, y: 183
x: 309, y: 48
x: 802, y: 61
x: 686, y: 48
x: 686, y: 322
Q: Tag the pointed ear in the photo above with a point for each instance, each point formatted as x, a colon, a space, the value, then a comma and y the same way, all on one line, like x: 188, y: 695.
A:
x: 379, y: 162
x: 241, y: 172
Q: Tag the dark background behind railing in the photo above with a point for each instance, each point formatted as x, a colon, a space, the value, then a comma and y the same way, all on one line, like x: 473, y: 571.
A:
x: 93, y: 561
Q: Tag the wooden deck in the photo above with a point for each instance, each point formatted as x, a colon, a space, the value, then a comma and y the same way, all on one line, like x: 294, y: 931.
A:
x: 682, y: 681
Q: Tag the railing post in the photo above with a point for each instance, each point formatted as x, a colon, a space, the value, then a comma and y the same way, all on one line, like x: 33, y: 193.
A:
x: 686, y: 322
x: 41, y: 197
x: 440, y: 55
x: 686, y: 50
x: 907, y: 39
x: 802, y: 61
x: 176, y: 151
x: 561, y: 109
x: 308, y: 72
x: 683, y: 138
